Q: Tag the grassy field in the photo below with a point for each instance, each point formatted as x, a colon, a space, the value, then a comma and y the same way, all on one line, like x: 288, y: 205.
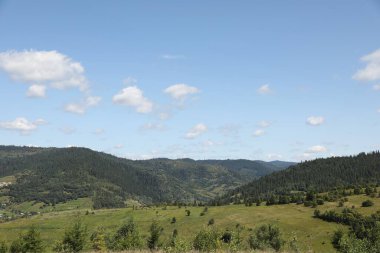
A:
x: 293, y: 220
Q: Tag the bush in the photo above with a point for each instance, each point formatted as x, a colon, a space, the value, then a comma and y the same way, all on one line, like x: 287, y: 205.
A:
x: 127, y: 237
x: 3, y: 247
x: 211, y: 222
x: 367, y: 203
x: 206, y: 240
x: 155, y: 233
x: 29, y: 242
x: 74, y: 238
x: 98, y: 240
x: 266, y: 236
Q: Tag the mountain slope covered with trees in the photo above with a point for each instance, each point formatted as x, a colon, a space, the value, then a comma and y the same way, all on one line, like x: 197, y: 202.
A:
x: 53, y: 175
x: 320, y: 175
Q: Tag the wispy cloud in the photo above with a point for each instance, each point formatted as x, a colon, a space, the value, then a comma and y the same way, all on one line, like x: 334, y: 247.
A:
x: 316, y: 149
x: 264, y: 89
x: 173, y: 56
x: 196, y: 130
x: 81, y: 107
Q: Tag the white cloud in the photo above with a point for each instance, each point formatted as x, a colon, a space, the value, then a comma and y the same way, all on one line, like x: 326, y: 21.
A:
x: 36, y: 90
x: 181, y: 91
x: 264, y: 89
x: 376, y: 87
x: 81, y: 107
x: 132, y: 96
x: 259, y: 132
x: 119, y: 146
x: 371, y: 72
x: 264, y: 124
x: 172, y: 56
x: 315, y: 120
x: 196, y: 130
x: 316, y: 149
x: 21, y: 125
x: 44, y: 68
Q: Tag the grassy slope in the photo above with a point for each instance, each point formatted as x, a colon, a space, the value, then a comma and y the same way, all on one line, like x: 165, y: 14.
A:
x: 292, y: 219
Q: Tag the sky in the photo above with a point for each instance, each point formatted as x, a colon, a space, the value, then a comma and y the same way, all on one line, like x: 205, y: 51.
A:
x: 268, y: 80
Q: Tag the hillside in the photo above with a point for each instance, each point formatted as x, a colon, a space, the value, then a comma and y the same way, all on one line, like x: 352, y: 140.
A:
x: 54, y: 175
x: 319, y: 175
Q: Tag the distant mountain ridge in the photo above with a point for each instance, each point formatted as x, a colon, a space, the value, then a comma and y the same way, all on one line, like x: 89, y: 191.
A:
x: 54, y: 175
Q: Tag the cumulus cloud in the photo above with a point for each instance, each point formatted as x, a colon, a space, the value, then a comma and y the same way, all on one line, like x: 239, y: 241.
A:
x: 259, y: 132
x: 316, y: 149
x: 196, y: 130
x: 132, y: 96
x: 43, y: 68
x: 81, y: 107
x: 21, y: 125
x: 181, y: 91
x: 264, y: 89
x: 315, y: 120
x: 371, y: 72
x: 36, y: 90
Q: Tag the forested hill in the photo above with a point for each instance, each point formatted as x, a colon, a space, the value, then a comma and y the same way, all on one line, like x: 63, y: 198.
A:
x: 53, y: 175
x: 319, y: 175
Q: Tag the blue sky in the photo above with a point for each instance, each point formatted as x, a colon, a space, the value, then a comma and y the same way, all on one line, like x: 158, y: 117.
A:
x: 289, y: 80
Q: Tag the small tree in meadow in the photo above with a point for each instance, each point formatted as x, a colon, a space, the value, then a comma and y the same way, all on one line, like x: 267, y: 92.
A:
x: 28, y: 242
x: 74, y: 239
x: 155, y: 233
x: 266, y: 236
x: 207, y: 240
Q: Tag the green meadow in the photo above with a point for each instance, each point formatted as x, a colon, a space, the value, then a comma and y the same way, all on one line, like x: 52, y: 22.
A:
x: 293, y: 220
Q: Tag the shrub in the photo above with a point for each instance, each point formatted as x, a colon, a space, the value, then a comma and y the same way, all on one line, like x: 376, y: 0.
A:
x: 211, y: 222
x: 206, y: 240
x: 155, y: 233
x: 266, y: 236
x: 3, y: 247
x: 127, y: 237
x: 74, y: 238
x: 28, y: 242
x: 367, y: 203
x: 98, y: 240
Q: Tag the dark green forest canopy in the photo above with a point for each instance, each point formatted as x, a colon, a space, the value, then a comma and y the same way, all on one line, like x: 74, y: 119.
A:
x: 319, y: 175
